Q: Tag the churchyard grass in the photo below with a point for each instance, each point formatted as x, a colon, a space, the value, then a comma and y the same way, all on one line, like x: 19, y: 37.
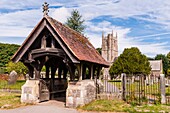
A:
x: 10, y: 100
x: 17, y: 86
x: 121, y: 106
x: 153, y: 87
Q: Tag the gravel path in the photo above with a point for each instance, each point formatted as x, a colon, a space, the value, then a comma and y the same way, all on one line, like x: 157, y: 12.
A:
x: 51, y: 106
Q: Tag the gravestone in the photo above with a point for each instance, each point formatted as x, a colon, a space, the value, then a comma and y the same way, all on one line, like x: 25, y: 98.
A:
x: 12, y: 77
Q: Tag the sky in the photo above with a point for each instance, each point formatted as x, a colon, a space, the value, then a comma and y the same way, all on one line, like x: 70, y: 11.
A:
x: 139, y: 23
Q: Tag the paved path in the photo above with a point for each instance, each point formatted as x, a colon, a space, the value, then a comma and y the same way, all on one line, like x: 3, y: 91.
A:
x: 51, y: 106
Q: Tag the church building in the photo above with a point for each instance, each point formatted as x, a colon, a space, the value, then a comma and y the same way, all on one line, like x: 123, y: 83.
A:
x: 109, y: 50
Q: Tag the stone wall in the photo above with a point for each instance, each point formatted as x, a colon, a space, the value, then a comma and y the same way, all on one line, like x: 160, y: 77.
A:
x: 80, y: 93
x: 30, y: 91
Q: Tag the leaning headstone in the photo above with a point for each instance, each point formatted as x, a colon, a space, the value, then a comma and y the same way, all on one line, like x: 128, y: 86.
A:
x: 12, y: 77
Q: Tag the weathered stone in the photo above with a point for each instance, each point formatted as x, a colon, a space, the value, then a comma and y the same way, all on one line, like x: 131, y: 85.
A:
x: 12, y: 77
x: 109, y: 51
x: 80, y: 93
x: 30, y: 91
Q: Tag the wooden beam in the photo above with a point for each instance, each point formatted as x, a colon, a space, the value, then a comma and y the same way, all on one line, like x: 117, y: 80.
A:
x: 73, y: 59
x: 33, y: 35
x: 30, y: 69
x: 91, y: 72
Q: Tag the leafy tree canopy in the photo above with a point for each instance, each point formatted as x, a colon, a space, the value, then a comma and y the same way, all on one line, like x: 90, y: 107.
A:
x: 131, y: 61
x: 75, y: 21
x: 6, y: 52
x: 19, y: 67
x: 164, y: 61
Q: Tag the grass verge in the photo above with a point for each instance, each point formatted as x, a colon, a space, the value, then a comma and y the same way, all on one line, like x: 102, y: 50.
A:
x: 4, y: 84
x: 121, y: 106
x: 10, y: 100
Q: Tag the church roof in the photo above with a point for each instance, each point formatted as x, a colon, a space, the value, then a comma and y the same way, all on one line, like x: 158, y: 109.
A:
x: 78, y: 44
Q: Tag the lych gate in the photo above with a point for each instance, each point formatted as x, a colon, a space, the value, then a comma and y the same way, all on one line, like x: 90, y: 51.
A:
x: 65, y: 54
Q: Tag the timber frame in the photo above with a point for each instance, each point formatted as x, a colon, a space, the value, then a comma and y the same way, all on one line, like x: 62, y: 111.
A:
x: 59, y: 49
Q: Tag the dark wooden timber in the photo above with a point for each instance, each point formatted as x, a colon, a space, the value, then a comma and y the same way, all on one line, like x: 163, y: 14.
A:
x: 49, y: 46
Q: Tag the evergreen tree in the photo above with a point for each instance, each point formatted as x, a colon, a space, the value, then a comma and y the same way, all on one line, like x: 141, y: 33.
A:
x: 75, y: 22
x: 131, y: 61
x: 99, y: 50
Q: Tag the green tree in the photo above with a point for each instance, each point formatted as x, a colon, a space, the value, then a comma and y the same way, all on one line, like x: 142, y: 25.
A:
x: 6, y: 52
x: 19, y: 67
x: 164, y: 61
x: 131, y: 61
x: 75, y: 21
x: 99, y: 50
x: 168, y: 57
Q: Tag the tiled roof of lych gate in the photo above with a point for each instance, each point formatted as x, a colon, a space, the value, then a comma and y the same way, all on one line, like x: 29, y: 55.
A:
x: 77, y: 43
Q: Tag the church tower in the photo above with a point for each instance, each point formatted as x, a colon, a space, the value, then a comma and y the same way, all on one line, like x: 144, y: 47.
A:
x: 109, y: 47
x: 109, y: 50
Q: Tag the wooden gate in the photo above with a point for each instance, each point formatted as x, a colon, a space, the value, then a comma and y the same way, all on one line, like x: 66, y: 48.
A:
x: 44, y: 90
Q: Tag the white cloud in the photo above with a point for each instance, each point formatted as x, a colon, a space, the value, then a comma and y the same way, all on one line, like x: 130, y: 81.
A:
x: 149, y: 49
x: 56, y: 14
x: 20, y: 23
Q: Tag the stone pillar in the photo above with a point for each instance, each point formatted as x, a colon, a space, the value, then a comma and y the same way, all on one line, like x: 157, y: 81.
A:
x: 162, y: 88
x: 80, y: 93
x: 30, y: 92
x: 123, y: 77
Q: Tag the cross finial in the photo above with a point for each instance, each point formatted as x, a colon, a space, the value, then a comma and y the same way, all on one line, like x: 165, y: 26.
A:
x: 45, y: 8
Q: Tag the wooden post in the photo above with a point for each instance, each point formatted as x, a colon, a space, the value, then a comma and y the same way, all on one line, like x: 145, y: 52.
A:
x: 59, y: 72
x: 65, y: 73
x: 91, y: 76
x: 99, y: 72
x: 83, y: 71
x: 53, y: 43
x: 37, y: 73
x: 30, y: 69
x: 162, y: 88
x: 123, y: 76
x: 47, y: 71
x: 80, y: 69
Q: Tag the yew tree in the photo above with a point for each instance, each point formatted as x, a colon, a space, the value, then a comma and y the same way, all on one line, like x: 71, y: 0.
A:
x: 131, y: 61
x: 75, y: 21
